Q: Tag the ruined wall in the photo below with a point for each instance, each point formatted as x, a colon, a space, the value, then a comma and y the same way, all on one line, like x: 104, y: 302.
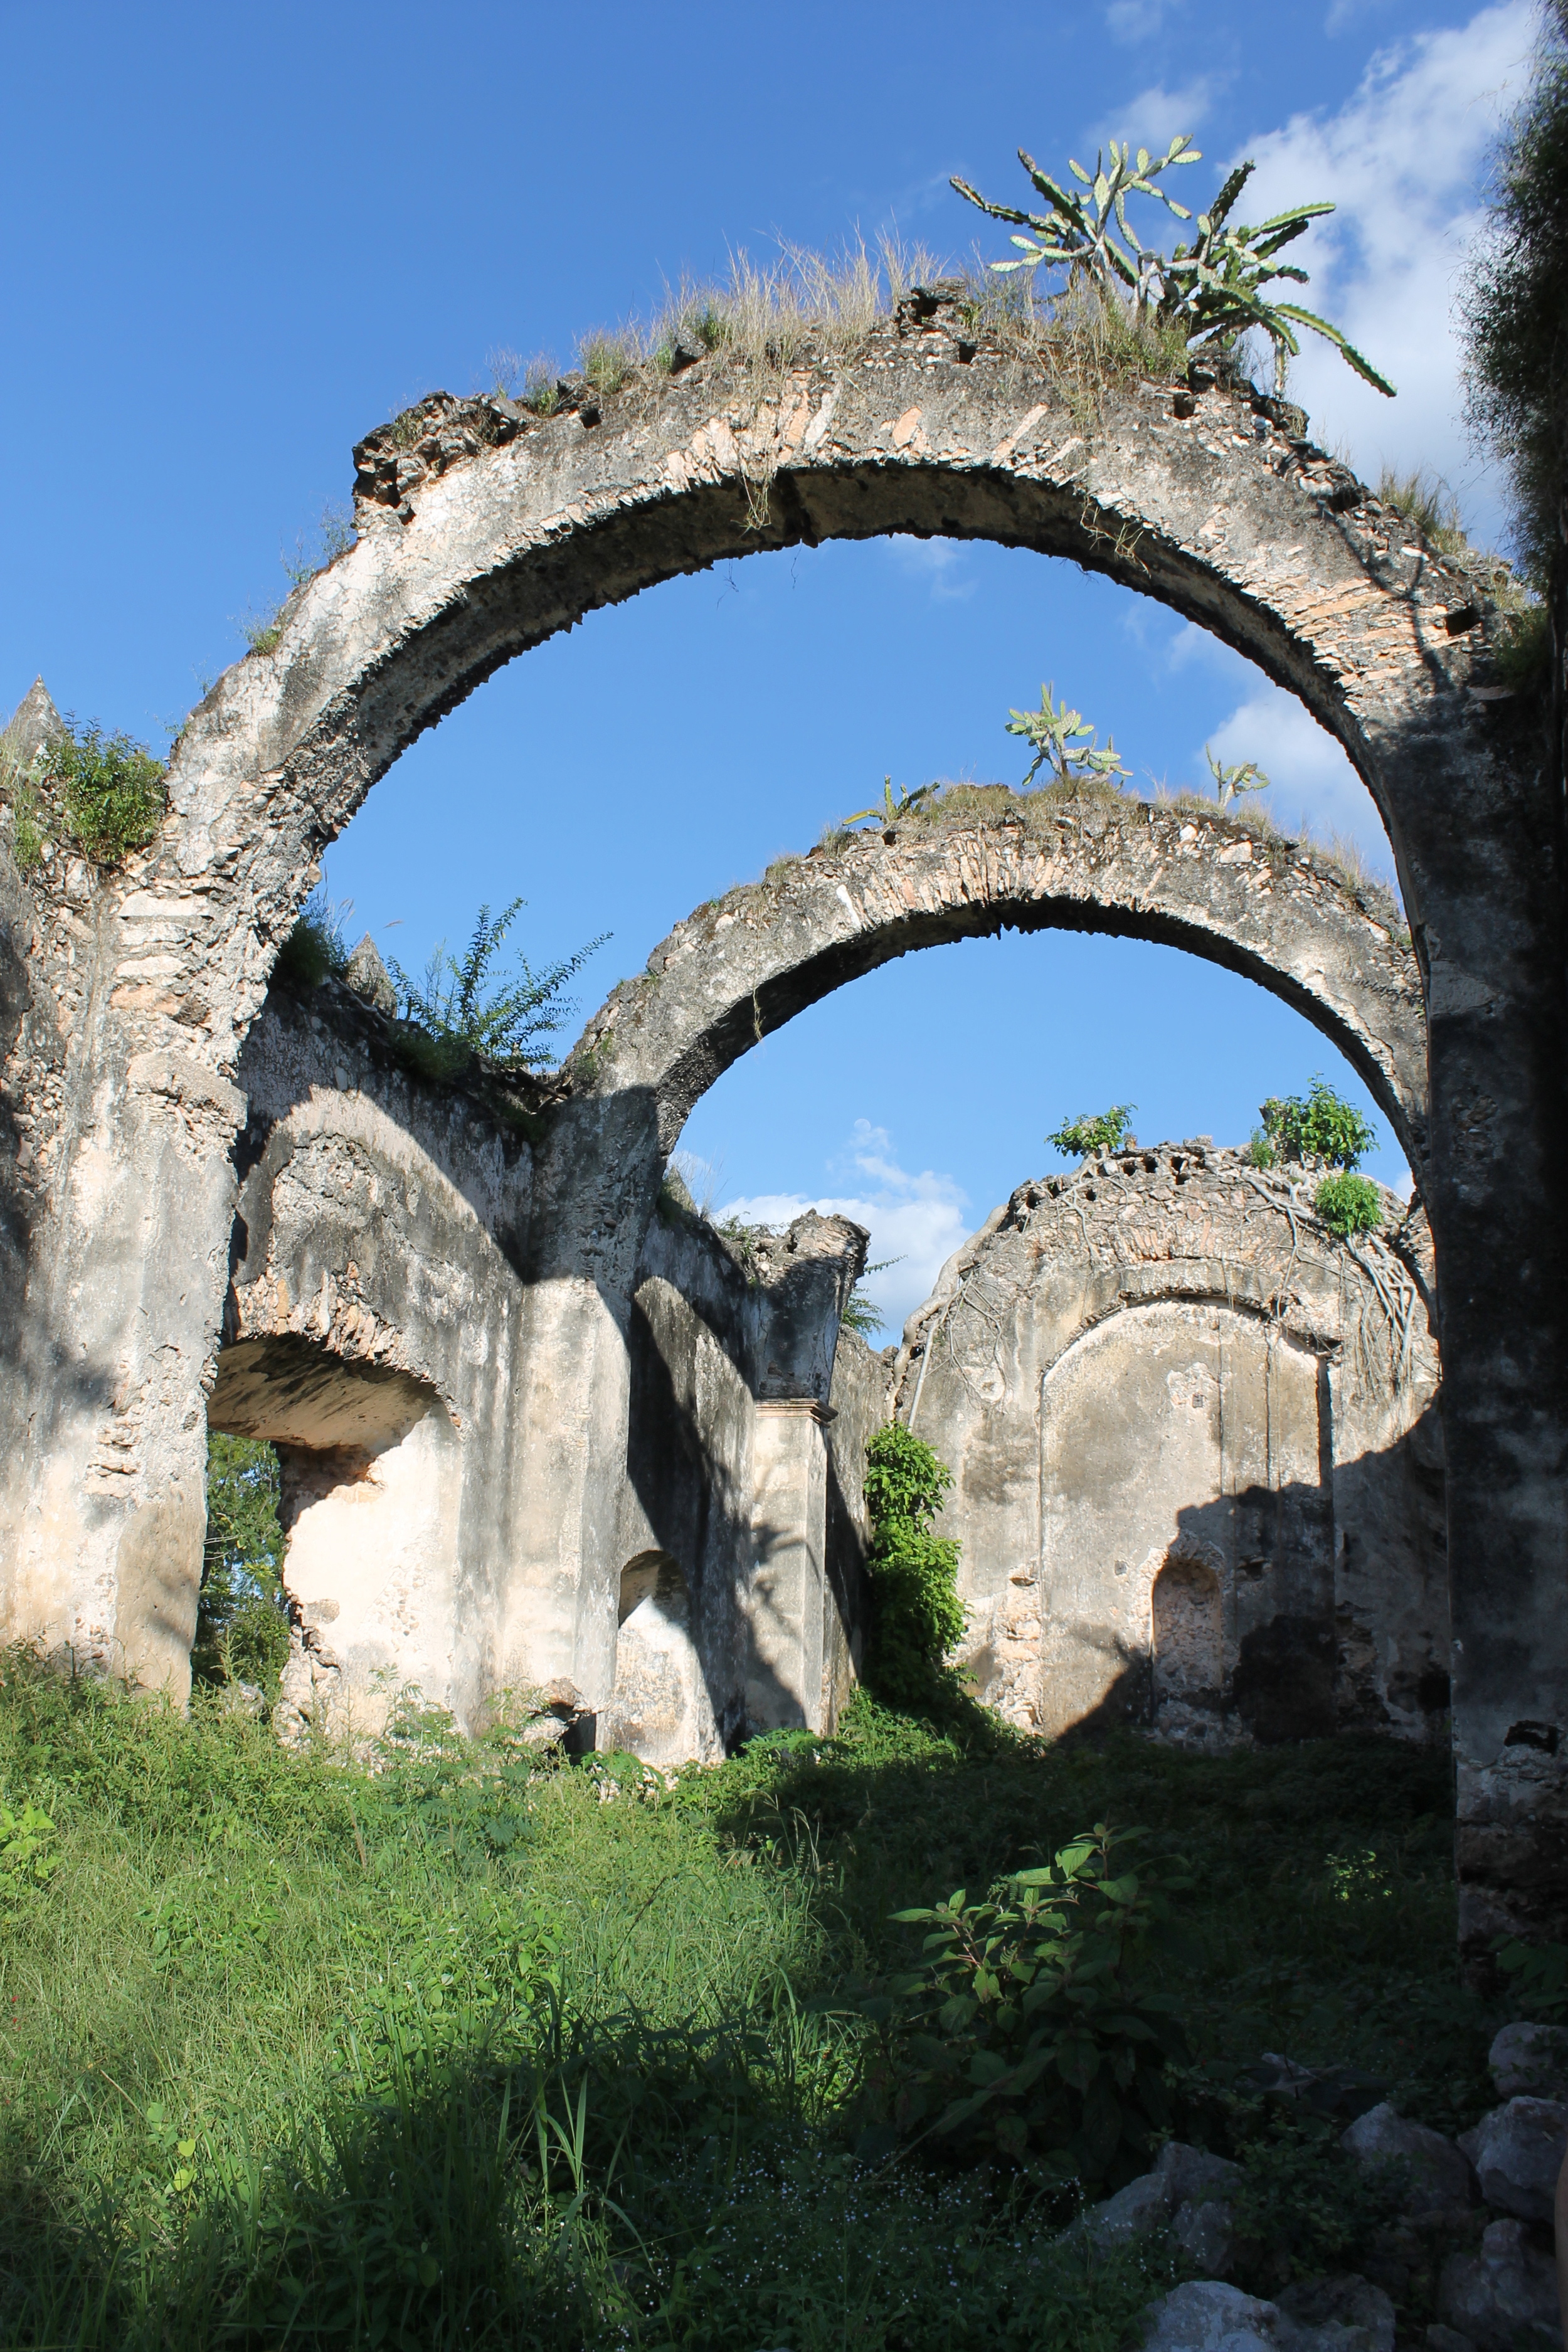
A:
x: 484, y: 530
x: 734, y: 1485
x: 1195, y: 1445
x: 382, y: 1328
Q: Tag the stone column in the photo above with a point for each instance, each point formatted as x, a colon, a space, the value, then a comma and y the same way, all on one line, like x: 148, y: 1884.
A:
x: 787, y: 1591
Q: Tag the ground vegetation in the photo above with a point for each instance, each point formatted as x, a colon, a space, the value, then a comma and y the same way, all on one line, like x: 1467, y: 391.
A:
x: 459, y: 2045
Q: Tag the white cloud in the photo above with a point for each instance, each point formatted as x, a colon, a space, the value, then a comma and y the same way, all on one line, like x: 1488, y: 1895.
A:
x: 1404, y: 161
x: 1312, y: 781
x: 939, y: 562
x: 919, y: 1220
x: 1152, y: 119
x: 1134, y: 20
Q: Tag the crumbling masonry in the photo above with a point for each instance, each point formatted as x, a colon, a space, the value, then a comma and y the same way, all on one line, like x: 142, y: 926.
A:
x: 126, y: 1001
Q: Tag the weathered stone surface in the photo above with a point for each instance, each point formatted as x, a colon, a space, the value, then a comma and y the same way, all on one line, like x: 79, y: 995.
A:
x: 1505, y: 2296
x: 1206, y: 2317
x: 1348, y: 2312
x: 1518, y: 2152
x: 1185, y: 2193
x: 383, y: 1332
x: 1192, y: 1436
x: 512, y: 530
x: 368, y: 978
x: 1529, y: 2062
x: 1440, y: 2172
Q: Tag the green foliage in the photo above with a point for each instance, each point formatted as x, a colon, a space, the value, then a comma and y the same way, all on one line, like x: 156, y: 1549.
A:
x: 917, y: 1613
x: 25, y: 1862
x: 861, y: 1312
x: 108, y: 789
x: 1213, y: 289
x: 1231, y: 781
x: 1515, y: 301
x: 1538, y: 1974
x: 317, y: 948
x: 1260, y: 1152
x: 18, y: 789
x: 888, y: 809
x: 242, y: 1630
x: 1320, y: 1126
x: 1304, y: 2205
x: 464, y: 1004
x: 607, y: 360
x: 1349, y: 1204
x: 1092, y: 1131
x: 283, y: 2029
x: 1057, y: 735
x: 1031, y: 2026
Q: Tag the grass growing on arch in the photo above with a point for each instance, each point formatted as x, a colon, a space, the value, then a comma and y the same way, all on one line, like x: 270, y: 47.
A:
x: 466, y: 2051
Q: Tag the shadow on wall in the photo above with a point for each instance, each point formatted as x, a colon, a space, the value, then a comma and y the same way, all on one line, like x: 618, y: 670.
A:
x: 660, y: 1708
x: 687, y: 1459
x: 1221, y: 1658
x: 371, y: 1474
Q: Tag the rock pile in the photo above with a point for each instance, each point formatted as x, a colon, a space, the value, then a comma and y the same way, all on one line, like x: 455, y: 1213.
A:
x: 1497, y: 2292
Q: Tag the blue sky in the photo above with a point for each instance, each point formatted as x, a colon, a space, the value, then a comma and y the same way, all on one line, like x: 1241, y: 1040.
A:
x: 232, y: 242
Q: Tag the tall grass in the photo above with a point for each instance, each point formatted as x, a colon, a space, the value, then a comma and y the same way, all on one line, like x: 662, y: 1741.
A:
x: 762, y: 316
x: 463, y: 2049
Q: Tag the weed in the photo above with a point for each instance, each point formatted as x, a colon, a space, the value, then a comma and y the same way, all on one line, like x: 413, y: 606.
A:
x: 108, y: 790
x: 1349, y: 1204
x: 1425, y: 500
x: 1320, y: 1124
x: 461, y: 1007
x: 316, y: 947
x: 1106, y: 1131
x: 607, y: 360
x: 19, y: 789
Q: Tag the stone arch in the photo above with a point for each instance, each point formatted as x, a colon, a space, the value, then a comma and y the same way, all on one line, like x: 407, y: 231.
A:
x: 484, y: 531
x: 743, y: 965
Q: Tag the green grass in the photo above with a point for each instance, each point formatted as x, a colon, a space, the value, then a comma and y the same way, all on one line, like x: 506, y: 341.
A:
x: 464, y: 2049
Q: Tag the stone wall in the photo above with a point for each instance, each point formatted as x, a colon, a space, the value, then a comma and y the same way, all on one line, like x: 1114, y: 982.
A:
x: 495, y: 529
x: 383, y: 1329
x: 747, y: 1427
x: 1196, y: 1455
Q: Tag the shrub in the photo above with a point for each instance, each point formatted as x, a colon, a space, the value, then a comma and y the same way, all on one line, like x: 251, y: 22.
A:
x: 242, y: 1632
x: 509, y: 1023
x: 109, y: 790
x: 1514, y: 304
x: 1349, y: 1204
x: 1320, y: 1126
x: 917, y: 1613
x: 1260, y: 1150
x: 315, y: 949
x: 1105, y: 1130
x: 1031, y: 2024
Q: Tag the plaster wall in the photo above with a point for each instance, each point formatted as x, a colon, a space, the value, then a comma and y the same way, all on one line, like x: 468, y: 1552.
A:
x: 484, y: 530
x: 1172, y: 1398
x: 384, y: 1330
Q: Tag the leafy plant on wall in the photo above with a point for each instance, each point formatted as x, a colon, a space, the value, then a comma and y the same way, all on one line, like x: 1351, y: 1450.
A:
x: 917, y: 1613
x: 1211, y: 290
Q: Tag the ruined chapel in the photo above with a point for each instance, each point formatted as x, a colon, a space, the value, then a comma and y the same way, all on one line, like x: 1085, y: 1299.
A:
x: 1216, y: 1471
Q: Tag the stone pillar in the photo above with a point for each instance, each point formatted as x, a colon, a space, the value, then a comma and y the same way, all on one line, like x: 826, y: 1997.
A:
x: 786, y: 1593
x: 1488, y: 918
